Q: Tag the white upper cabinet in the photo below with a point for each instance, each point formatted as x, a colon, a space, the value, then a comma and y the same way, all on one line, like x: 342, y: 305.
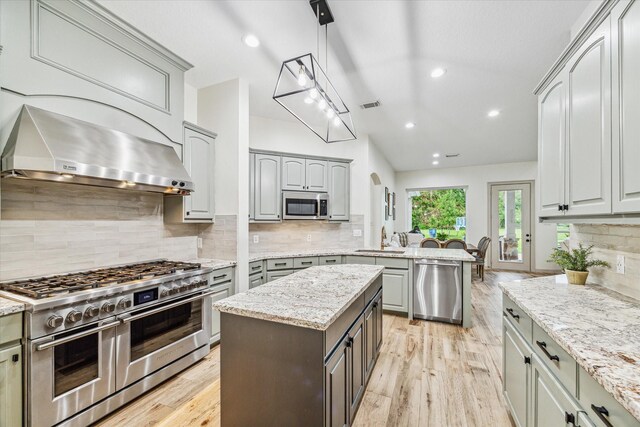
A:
x: 267, y: 187
x: 588, y: 185
x: 625, y: 28
x: 198, y: 159
x: 199, y: 152
x: 551, y: 147
x: 339, y: 191
x: 293, y: 174
x: 316, y: 175
x: 300, y: 174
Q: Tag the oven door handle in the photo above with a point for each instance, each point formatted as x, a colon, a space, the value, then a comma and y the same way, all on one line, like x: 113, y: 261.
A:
x: 64, y: 340
x: 130, y: 318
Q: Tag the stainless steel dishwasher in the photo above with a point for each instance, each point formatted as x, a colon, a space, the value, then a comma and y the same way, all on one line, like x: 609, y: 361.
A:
x: 437, y: 290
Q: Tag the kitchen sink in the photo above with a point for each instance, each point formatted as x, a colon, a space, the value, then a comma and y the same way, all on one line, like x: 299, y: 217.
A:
x: 379, y: 251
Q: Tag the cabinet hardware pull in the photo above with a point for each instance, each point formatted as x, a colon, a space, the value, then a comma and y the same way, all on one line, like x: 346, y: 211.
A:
x: 527, y: 360
x: 543, y: 347
x: 348, y: 343
x: 565, y: 207
x: 602, y: 412
x: 255, y: 267
x: 569, y: 418
x: 560, y: 208
x: 515, y: 316
x: 219, y: 277
x: 306, y: 262
x: 329, y: 261
x: 16, y: 357
x: 280, y: 263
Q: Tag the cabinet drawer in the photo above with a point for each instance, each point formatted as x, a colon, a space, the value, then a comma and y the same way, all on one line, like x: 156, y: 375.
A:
x: 330, y: 260
x: 592, y: 393
x: 222, y: 275
x: 401, y: 263
x: 518, y: 317
x: 555, y: 358
x: 356, y: 259
x: 305, y: 262
x: 273, y: 275
x: 280, y: 264
x: 255, y: 267
x: 11, y: 327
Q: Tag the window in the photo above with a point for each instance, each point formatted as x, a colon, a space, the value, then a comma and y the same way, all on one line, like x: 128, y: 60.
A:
x: 440, y: 213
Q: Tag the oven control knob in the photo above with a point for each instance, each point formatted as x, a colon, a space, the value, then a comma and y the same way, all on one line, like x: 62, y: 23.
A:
x: 74, y: 316
x: 165, y: 293
x: 55, y: 321
x: 184, y: 288
x: 108, y: 307
x: 174, y: 290
x: 91, y: 311
x: 124, y: 303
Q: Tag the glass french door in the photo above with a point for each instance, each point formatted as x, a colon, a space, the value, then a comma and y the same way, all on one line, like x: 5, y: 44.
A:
x: 511, y: 226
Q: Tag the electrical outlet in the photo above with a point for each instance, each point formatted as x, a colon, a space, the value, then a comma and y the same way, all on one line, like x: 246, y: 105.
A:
x: 357, y: 233
x: 256, y: 238
x: 308, y: 237
x: 620, y: 264
x: 199, y: 242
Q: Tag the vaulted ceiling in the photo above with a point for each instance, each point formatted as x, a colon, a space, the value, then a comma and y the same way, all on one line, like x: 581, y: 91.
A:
x: 494, y: 53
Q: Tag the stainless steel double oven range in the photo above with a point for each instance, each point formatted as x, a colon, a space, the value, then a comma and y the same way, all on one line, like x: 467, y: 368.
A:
x: 98, y: 339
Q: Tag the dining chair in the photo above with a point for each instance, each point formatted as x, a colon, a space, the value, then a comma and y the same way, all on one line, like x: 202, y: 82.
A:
x: 455, y: 244
x: 483, y: 245
x: 430, y: 242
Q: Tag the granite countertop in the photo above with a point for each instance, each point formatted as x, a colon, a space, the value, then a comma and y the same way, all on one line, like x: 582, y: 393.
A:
x: 8, y: 306
x: 312, y: 298
x: 410, y: 253
x: 598, y: 327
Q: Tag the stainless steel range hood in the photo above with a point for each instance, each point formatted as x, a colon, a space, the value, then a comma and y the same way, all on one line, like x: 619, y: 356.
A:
x: 52, y: 147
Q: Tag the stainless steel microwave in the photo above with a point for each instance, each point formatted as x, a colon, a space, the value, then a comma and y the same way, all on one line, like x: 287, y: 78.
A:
x: 305, y: 205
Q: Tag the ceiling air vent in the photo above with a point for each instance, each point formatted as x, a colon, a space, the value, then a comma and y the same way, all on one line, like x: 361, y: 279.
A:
x: 452, y: 155
x: 370, y: 105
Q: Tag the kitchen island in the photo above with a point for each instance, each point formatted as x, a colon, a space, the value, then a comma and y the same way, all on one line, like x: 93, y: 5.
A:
x: 299, y: 350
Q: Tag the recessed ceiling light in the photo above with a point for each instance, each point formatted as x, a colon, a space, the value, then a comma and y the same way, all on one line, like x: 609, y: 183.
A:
x: 410, y: 125
x: 251, y: 40
x: 493, y: 113
x: 435, y: 162
x: 438, y: 72
x: 436, y: 155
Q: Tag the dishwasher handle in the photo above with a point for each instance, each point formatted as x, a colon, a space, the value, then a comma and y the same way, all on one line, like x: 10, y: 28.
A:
x: 436, y: 262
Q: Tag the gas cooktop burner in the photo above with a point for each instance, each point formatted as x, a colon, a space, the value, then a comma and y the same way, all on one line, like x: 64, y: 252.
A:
x: 67, y: 283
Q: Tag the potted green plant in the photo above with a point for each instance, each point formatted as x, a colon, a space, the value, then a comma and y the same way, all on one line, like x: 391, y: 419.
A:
x: 576, y: 262
x: 442, y: 236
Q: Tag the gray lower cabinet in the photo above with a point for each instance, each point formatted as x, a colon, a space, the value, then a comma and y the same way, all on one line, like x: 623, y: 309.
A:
x: 356, y: 343
x: 551, y: 405
x: 273, y: 275
x: 373, y: 333
x: 330, y: 260
x: 516, y: 370
x: 256, y: 280
x: 336, y: 391
x: 11, y: 386
x: 396, y: 289
x: 221, y: 292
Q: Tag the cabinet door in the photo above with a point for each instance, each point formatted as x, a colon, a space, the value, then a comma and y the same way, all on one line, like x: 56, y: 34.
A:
x: 625, y: 30
x: 588, y: 185
x: 377, y: 312
x: 516, y: 364
x: 317, y: 175
x: 357, y: 362
x: 267, y: 187
x: 273, y: 275
x: 215, y: 315
x: 395, y: 288
x: 252, y: 186
x: 199, y: 162
x: 293, y: 174
x: 336, y: 388
x: 551, y: 147
x: 550, y: 404
x: 11, y: 387
x: 255, y: 280
x: 339, y: 191
x: 370, y: 339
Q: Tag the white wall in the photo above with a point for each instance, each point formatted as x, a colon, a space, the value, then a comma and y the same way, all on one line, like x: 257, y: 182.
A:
x: 476, y: 180
x: 190, y: 103
x: 589, y: 10
x: 379, y: 165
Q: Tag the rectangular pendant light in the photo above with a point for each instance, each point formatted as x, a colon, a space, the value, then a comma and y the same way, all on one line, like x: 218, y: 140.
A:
x: 304, y: 90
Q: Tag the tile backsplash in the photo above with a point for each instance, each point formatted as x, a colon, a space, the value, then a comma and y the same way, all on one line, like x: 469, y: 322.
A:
x: 48, y: 228
x: 608, y: 242
x: 292, y: 235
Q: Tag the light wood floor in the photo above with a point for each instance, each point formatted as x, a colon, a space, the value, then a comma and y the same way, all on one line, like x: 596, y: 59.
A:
x: 428, y: 374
